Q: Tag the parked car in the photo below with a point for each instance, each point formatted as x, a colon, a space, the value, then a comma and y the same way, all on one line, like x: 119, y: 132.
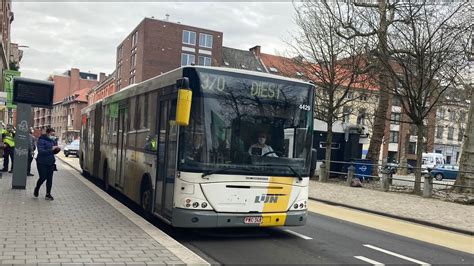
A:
x: 72, y: 148
x: 443, y: 171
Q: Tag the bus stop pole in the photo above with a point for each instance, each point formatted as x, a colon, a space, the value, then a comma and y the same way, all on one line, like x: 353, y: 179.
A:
x: 22, y: 139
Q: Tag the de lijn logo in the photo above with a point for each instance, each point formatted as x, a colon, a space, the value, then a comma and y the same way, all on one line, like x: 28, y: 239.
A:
x: 266, y: 198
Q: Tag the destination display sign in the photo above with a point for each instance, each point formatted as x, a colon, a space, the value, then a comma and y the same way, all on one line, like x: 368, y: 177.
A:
x: 38, y: 93
x: 262, y: 88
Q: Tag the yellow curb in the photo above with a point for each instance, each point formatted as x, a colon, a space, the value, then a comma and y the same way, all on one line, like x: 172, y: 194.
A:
x: 427, y: 234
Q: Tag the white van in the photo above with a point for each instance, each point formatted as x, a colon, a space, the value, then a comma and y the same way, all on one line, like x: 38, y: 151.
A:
x: 430, y: 160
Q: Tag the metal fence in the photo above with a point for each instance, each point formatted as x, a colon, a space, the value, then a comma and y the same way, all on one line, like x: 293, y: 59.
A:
x: 388, y: 180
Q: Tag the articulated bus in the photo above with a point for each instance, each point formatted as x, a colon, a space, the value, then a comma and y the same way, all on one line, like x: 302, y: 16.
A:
x: 242, y: 159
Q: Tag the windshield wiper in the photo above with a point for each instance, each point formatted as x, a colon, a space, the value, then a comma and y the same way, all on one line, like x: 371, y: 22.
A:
x: 222, y: 170
x: 291, y: 168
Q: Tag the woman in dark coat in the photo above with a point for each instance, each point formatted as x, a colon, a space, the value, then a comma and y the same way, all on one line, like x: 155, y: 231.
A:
x: 45, y: 161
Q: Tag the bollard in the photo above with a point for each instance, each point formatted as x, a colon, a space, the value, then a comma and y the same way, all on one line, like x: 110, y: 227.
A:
x: 323, y: 173
x: 385, y: 180
x: 350, y: 175
x: 428, y: 185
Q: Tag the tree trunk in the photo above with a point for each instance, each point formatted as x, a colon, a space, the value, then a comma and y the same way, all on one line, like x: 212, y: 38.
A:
x: 328, y: 148
x: 405, y: 139
x: 419, y: 158
x: 378, y: 130
x: 466, y: 163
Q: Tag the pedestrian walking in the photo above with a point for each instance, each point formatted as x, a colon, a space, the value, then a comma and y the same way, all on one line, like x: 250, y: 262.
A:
x: 31, y: 152
x: 8, y: 137
x: 45, y: 161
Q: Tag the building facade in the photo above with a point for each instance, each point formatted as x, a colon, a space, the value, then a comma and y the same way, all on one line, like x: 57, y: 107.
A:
x: 6, y: 18
x: 156, y: 46
x: 67, y: 85
x: 104, y: 88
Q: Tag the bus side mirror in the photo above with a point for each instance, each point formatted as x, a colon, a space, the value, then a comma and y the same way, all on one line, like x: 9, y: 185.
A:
x: 183, y: 106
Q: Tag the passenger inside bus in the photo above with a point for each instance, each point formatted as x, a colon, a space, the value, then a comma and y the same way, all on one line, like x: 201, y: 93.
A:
x: 260, y: 148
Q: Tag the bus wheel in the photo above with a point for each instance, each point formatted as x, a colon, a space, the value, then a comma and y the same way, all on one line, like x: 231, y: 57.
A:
x: 106, y: 177
x: 146, y: 195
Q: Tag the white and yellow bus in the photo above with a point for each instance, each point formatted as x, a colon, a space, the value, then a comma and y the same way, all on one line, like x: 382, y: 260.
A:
x: 206, y: 171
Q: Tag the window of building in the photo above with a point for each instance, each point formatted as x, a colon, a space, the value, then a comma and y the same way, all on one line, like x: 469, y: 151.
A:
x: 363, y: 97
x: 346, y: 112
x: 134, y: 38
x: 349, y: 95
x: 204, y: 61
x: 440, y: 114
x: 393, y: 136
x: 439, y: 132
x: 452, y: 116
x: 273, y: 69
x: 396, y: 101
x: 187, y: 59
x: 361, y: 117
x: 395, y: 119
x: 450, y: 133
x: 460, y: 134
x: 119, y: 52
x: 412, y: 148
x: 189, y: 37
x: 205, y: 40
x: 462, y: 117
x: 299, y: 74
x: 133, y: 61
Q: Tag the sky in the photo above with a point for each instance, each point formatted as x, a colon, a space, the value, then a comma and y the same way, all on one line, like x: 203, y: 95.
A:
x: 85, y: 35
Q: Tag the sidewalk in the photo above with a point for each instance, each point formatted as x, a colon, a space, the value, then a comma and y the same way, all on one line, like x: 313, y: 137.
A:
x: 448, y: 215
x: 82, y: 225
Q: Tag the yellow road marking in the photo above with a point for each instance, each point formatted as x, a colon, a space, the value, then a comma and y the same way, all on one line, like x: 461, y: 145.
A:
x: 427, y: 234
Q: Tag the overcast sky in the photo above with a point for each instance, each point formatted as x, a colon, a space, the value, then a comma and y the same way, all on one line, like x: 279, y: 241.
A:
x: 85, y: 35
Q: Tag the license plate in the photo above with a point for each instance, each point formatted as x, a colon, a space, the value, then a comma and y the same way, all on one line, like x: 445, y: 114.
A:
x: 252, y: 220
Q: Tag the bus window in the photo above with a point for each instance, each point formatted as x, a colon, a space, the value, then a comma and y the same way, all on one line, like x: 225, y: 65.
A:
x: 151, y: 139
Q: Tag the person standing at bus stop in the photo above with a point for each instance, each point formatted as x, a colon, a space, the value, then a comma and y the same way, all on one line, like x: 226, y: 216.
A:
x: 45, y: 161
x: 8, y: 137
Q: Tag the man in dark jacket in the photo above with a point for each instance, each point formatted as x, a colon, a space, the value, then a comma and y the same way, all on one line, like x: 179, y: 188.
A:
x: 45, y: 161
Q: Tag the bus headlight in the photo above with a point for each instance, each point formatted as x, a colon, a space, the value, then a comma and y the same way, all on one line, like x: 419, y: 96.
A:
x: 191, y: 203
x: 299, y: 205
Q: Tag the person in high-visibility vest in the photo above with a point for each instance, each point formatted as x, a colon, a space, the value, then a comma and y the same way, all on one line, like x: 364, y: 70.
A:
x: 8, y: 137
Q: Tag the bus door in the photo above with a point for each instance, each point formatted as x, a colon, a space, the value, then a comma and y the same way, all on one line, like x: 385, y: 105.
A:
x: 167, y: 156
x: 121, y: 146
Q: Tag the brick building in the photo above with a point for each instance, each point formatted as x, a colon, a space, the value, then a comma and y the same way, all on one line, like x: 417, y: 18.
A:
x: 104, y: 88
x: 156, y: 46
x: 66, y: 86
x: 6, y: 18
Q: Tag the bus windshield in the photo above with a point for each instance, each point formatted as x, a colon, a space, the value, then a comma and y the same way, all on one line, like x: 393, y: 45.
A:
x: 247, y: 125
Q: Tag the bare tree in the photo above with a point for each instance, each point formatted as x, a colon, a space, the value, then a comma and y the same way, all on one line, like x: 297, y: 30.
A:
x: 362, y: 18
x: 334, y: 64
x: 426, y: 47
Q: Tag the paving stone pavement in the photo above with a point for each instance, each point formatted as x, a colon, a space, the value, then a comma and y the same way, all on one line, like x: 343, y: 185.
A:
x: 77, y: 227
x: 398, y: 204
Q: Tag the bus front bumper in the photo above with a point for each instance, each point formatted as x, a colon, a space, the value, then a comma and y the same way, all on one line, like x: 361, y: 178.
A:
x: 210, y: 219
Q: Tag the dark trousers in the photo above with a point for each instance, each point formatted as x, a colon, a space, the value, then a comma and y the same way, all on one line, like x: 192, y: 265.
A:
x: 30, y: 159
x: 45, y: 172
x: 8, y: 152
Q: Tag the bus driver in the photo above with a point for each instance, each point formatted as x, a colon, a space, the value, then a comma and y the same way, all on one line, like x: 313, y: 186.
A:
x: 260, y: 148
